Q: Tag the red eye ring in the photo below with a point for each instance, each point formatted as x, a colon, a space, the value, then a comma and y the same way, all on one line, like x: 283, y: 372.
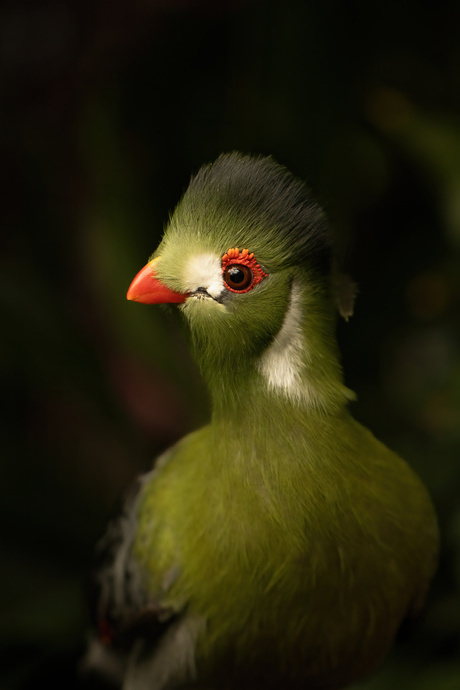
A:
x: 241, y: 272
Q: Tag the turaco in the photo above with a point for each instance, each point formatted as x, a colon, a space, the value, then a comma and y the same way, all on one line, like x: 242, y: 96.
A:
x: 281, y: 546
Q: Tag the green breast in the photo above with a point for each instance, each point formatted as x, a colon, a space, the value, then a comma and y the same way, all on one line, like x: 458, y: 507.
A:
x: 302, y: 551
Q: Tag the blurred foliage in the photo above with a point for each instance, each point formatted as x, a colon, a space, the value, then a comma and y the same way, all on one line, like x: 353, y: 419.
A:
x: 107, y: 109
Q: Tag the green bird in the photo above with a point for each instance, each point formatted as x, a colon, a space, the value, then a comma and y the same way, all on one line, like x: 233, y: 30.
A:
x: 282, y: 545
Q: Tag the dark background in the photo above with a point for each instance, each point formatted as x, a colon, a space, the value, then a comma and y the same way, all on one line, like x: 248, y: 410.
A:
x: 107, y: 108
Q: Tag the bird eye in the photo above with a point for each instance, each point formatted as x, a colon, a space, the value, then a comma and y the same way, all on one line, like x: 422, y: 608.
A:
x: 240, y: 270
x: 238, y: 277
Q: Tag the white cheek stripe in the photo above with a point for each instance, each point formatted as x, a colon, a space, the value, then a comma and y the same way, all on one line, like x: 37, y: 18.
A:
x: 281, y: 364
x: 204, y: 270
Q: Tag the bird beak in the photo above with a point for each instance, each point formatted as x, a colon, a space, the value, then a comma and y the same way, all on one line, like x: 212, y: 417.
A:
x: 147, y: 289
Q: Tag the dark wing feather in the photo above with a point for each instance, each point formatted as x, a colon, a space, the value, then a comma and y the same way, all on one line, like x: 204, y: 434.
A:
x: 122, y: 611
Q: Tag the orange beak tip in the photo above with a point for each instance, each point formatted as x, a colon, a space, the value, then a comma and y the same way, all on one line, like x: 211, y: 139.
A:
x: 147, y: 289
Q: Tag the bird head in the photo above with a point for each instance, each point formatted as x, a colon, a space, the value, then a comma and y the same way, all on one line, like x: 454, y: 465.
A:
x: 247, y: 256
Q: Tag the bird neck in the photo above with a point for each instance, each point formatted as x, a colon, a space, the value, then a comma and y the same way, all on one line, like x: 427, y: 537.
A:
x: 299, y: 370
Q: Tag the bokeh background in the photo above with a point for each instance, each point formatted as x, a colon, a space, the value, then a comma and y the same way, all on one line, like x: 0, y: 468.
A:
x: 107, y: 107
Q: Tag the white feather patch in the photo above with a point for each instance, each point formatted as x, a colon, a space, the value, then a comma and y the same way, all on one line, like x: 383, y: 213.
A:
x: 205, y: 271
x: 282, y: 362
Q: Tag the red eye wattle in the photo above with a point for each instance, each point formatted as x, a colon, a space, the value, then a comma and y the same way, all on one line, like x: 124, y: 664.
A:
x: 241, y: 272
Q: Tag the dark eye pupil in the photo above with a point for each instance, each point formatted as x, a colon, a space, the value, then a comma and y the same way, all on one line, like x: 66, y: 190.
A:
x: 236, y: 275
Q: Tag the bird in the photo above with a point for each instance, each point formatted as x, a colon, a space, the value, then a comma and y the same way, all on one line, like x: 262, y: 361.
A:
x: 281, y: 546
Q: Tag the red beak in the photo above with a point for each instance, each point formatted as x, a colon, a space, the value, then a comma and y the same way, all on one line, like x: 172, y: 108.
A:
x: 147, y: 289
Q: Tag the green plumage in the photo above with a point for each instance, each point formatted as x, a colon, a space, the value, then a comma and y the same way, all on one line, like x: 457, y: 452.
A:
x: 290, y: 543
x: 305, y: 565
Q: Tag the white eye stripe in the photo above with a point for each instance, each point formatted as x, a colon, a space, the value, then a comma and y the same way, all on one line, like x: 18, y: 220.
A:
x: 205, y: 271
